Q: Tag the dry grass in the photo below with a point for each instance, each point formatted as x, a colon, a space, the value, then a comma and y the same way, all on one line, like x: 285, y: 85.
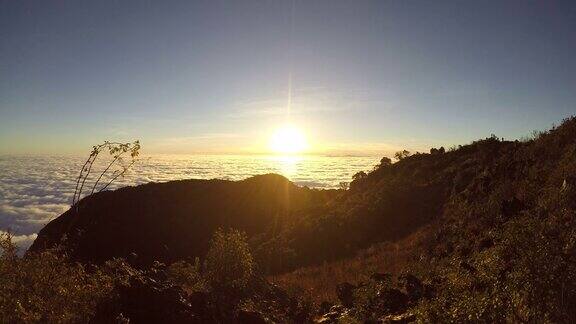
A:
x: 319, y: 282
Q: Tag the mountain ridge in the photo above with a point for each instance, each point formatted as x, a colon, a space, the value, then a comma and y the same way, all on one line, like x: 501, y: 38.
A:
x: 493, y: 224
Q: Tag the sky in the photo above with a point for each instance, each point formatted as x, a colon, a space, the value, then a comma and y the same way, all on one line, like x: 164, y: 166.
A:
x: 357, y: 77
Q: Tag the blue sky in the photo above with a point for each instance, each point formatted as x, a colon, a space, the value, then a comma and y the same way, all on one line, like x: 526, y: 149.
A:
x: 368, y: 77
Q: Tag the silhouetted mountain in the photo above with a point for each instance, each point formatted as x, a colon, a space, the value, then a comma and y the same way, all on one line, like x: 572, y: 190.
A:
x: 290, y: 226
x: 173, y: 220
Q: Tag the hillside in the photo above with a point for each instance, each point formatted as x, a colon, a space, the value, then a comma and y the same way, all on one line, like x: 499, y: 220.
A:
x: 485, y: 230
x: 173, y: 220
x: 497, y: 242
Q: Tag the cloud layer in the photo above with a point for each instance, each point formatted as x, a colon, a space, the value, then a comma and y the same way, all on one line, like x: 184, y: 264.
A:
x: 35, y: 190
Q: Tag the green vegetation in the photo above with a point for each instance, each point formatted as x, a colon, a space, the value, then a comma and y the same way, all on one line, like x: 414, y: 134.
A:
x: 229, y: 262
x: 115, y: 168
x: 45, y: 287
x: 480, y: 233
x: 229, y: 265
x: 498, y: 242
x: 188, y: 276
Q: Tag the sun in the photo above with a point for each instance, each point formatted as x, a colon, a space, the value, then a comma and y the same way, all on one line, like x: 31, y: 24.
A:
x: 288, y: 140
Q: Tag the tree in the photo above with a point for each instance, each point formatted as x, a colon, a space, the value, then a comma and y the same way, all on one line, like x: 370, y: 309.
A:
x: 385, y: 161
x: 441, y: 150
x: 359, y: 175
x: 229, y: 262
x: 400, y: 155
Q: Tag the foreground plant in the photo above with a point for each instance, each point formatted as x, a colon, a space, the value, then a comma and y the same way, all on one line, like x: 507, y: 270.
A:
x: 45, y: 287
x: 118, y: 152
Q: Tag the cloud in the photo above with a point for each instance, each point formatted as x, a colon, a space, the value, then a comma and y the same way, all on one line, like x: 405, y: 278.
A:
x: 36, y: 189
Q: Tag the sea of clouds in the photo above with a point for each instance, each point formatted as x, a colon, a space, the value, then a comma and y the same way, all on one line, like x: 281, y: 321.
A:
x: 36, y: 189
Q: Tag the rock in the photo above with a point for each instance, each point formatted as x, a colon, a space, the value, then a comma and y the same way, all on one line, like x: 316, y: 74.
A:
x: 381, y: 277
x: 413, y: 287
x: 145, y: 300
x: 391, y: 301
x: 399, y: 319
x: 250, y: 317
x: 325, y: 307
x: 345, y: 293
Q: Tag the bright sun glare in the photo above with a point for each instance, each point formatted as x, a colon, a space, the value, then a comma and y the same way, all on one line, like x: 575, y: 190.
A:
x: 288, y: 140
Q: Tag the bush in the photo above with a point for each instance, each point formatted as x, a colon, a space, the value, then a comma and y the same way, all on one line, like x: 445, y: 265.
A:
x: 44, y: 287
x: 229, y: 263
x: 187, y: 276
x: 528, y: 276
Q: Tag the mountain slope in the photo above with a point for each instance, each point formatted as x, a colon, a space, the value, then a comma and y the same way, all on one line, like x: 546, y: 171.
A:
x: 501, y: 247
x: 173, y: 220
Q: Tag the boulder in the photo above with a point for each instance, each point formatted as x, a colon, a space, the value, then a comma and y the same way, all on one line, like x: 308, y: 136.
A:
x: 325, y: 307
x: 345, y: 293
x: 145, y: 300
x: 413, y: 286
x: 391, y: 301
x: 250, y: 317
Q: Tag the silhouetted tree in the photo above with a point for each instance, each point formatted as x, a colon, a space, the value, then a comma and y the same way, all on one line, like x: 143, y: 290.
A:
x: 400, y: 155
x: 440, y: 150
x: 117, y: 151
x: 359, y: 175
x: 385, y: 161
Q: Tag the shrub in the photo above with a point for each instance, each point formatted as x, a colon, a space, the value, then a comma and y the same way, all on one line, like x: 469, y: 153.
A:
x: 44, y: 287
x: 187, y: 276
x: 229, y: 263
x: 117, y: 166
x: 528, y: 276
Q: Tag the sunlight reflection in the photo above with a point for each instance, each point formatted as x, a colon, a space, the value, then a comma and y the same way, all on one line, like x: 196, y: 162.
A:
x: 287, y: 164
